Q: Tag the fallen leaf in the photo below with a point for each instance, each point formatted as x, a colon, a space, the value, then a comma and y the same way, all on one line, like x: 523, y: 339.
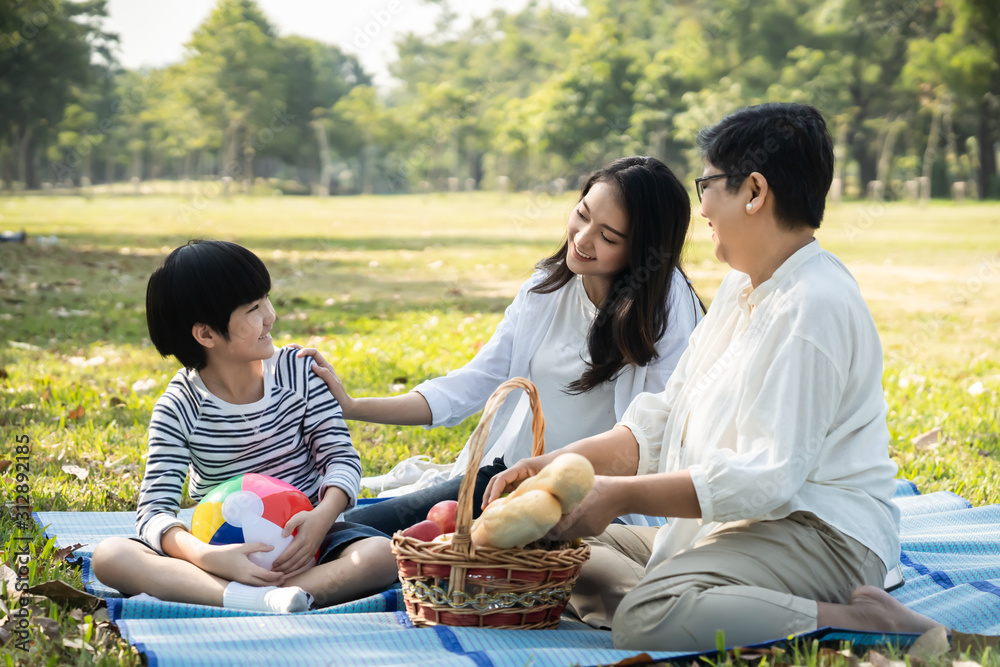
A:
x: 3, y: 374
x: 77, y: 644
x: 928, y: 439
x: 81, y: 473
x: 115, y: 401
x: 49, y: 627
x: 10, y: 577
x: 640, y: 659
x: 60, y: 554
x: 76, y: 615
x: 62, y: 593
x: 5, y: 636
x: 930, y: 645
x: 141, y: 386
x: 101, y: 615
x: 46, y: 395
x: 75, y: 414
x: 4, y: 464
x: 965, y: 663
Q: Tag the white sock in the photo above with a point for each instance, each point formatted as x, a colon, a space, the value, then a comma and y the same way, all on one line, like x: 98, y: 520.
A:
x: 266, y: 598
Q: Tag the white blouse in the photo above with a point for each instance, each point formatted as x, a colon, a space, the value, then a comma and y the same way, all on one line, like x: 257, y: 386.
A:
x: 561, y: 359
x: 775, y: 407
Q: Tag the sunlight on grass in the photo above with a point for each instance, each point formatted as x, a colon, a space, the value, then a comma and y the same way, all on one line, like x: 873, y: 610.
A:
x: 395, y: 290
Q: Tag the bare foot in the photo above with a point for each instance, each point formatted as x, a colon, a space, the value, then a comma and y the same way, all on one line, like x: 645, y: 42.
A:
x: 872, y: 609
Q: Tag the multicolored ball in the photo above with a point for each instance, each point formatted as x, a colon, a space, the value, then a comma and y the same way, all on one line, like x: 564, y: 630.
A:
x: 249, y: 508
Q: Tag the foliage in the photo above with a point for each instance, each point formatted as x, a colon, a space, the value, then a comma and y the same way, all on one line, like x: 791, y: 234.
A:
x: 528, y: 96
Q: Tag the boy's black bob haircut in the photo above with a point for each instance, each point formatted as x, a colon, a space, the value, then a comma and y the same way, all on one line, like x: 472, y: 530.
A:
x: 788, y: 144
x: 202, y: 282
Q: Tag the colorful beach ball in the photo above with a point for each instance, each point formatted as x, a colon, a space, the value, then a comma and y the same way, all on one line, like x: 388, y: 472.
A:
x: 249, y: 508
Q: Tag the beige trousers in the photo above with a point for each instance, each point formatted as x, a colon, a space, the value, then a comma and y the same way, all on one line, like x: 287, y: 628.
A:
x: 753, y: 580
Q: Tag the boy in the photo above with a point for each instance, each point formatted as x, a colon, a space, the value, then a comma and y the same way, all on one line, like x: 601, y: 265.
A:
x: 240, y: 406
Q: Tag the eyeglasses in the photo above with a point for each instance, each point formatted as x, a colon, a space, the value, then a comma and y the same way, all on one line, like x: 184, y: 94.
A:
x: 699, y: 183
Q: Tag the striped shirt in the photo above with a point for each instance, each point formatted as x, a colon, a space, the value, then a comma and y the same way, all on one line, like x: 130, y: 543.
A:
x: 296, y: 433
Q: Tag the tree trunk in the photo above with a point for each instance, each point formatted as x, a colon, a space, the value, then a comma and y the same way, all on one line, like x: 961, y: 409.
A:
x: 326, y: 164
x: 987, y: 151
x: 885, y: 159
x: 952, y: 156
x: 867, y: 165
x: 23, y: 153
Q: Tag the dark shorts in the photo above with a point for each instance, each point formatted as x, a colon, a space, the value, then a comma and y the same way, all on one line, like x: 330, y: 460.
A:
x: 341, y: 535
x: 401, y: 512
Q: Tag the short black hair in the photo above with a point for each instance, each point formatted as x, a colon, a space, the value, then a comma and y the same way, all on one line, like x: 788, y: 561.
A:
x: 201, y: 282
x: 788, y: 144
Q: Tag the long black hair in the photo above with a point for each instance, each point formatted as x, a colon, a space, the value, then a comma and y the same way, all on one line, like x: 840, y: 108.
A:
x: 633, y: 315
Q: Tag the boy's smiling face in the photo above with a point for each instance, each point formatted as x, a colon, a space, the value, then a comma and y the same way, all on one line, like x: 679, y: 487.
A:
x: 249, y: 332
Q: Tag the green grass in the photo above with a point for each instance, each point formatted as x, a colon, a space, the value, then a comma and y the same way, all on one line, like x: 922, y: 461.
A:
x: 395, y: 290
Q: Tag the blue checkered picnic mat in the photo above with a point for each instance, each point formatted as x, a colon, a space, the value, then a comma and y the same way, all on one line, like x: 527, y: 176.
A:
x: 951, y: 561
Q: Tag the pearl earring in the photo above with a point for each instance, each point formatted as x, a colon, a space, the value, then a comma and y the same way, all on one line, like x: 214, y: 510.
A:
x: 749, y: 207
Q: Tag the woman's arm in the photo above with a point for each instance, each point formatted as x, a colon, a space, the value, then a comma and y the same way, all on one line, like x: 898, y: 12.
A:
x: 612, y: 453
x: 442, y: 401
x: 409, y: 409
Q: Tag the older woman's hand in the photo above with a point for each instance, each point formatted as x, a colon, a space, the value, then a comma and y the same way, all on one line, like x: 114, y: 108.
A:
x: 511, y: 478
x: 595, y: 513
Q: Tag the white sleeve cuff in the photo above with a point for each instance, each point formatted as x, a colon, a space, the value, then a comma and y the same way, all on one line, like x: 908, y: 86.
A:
x: 702, y: 491
x: 158, y: 525
x: 436, y: 401
x: 643, y: 467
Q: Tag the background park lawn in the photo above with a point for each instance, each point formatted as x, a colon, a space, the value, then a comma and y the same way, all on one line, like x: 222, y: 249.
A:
x: 395, y: 290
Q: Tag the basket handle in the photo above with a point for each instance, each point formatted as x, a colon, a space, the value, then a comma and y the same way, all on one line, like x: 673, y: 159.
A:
x: 477, y: 444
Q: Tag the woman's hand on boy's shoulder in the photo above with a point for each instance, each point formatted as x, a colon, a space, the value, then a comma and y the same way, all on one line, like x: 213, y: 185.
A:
x: 324, y: 370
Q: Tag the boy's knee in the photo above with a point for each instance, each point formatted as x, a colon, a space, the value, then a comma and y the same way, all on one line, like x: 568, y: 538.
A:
x: 108, y: 552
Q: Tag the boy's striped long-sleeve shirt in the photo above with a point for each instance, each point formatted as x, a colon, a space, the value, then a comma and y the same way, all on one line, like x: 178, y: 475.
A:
x: 296, y: 433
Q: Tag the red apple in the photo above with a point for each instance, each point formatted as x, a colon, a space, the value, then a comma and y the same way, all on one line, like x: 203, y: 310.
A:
x: 426, y: 530
x: 443, y: 514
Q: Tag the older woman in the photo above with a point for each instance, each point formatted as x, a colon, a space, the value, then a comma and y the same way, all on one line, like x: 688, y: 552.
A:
x: 769, y: 446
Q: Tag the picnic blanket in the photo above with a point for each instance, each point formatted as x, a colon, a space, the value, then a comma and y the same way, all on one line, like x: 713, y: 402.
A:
x: 950, y: 558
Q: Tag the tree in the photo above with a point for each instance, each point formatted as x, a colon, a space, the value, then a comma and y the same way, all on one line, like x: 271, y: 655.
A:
x: 46, y: 52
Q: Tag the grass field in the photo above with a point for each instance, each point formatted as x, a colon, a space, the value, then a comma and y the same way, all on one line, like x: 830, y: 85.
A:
x: 399, y: 289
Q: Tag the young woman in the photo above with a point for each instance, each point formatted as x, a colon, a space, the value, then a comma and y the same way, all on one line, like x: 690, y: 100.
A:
x: 769, y: 445
x: 603, y: 319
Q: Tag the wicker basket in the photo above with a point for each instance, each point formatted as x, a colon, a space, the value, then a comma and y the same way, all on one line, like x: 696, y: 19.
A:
x: 457, y: 583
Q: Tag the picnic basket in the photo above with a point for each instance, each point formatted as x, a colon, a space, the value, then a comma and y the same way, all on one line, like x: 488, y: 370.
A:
x: 459, y: 584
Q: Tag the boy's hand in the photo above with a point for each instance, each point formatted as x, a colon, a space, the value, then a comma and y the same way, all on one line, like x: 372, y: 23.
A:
x: 232, y: 563
x: 324, y: 370
x: 312, y: 529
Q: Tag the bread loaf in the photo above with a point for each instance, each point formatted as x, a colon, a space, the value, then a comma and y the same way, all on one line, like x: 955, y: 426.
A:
x: 569, y: 477
x: 514, y: 522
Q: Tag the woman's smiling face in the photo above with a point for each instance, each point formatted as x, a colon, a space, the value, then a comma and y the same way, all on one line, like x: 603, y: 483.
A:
x: 597, y: 234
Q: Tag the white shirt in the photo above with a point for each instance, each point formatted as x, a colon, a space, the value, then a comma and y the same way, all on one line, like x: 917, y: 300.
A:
x: 776, y: 407
x: 561, y: 359
x: 508, y: 354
